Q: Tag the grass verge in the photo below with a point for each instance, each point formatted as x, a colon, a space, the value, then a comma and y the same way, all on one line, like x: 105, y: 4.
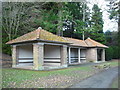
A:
x: 14, y: 78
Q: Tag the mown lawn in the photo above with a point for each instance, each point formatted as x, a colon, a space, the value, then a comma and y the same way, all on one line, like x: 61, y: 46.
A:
x: 16, y: 78
x: 115, y: 83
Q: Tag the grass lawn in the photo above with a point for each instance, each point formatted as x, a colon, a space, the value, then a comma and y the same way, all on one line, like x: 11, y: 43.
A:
x: 115, y: 83
x: 16, y: 78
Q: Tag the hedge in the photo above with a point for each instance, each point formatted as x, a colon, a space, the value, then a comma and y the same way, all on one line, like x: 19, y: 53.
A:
x: 112, y: 52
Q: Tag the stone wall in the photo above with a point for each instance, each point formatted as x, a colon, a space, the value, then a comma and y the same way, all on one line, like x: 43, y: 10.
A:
x: 38, y: 56
x: 91, y: 55
x: 6, y: 61
x: 64, y: 56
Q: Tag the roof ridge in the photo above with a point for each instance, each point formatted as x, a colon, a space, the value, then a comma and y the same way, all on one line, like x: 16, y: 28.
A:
x: 94, y: 42
x: 86, y: 43
x: 38, y: 34
x: 73, y: 38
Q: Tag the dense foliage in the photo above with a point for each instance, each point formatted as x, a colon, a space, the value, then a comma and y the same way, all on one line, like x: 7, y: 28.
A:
x: 69, y: 19
x: 112, y: 41
x: 97, y: 24
x: 112, y: 53
x: 113, y: 38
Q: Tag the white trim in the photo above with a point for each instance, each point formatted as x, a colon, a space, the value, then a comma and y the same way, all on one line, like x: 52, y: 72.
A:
x: 39, y: 43
x: 65, y: 46
x: 79, y: 55
x: 77, y: 47
x: 53, y: 44
x: 69, y: 55
x: 14, y: 46
x: 24, y: 64
x: 53, y: 60
x: 25, y: 60
x: 82, y: 58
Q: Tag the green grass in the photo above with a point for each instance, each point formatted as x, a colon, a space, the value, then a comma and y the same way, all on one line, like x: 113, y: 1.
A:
x: 19, y: 75
x: 115, y: 83
x: 114, y: 63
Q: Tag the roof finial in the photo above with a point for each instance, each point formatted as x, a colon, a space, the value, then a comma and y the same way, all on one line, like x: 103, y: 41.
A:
x: 88, y: 37
x: 39, y: 27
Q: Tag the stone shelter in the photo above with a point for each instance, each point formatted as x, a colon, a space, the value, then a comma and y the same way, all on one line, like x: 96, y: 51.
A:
x: 42, y: 50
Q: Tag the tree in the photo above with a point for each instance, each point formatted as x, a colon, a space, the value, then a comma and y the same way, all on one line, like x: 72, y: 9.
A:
x: 16, y: 20
x: 97, y: 25
x: 11, y: 16
x: 114, y: 7
x: 111, y: 38
x: 114, y: 10
x: 74, y: 23
x: 12, y: 13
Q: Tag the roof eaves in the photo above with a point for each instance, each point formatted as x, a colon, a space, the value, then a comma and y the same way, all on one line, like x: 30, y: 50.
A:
x: 78, y: 45
x: 97, y: 46
x: 39, y: 40
x: 21, y: 42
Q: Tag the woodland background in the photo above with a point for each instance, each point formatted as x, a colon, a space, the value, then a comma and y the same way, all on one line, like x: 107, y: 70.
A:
x: 69, y: 19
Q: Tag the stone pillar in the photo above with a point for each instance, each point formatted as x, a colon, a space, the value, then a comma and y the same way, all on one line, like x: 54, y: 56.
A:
x: 64, y: 56
x: 103, y: 55
x: 14, y: 55
x: 91, y: 55
x: 79, y: 55
x: 69, y: 55
x: 38, y: 56
x: 96, y: 55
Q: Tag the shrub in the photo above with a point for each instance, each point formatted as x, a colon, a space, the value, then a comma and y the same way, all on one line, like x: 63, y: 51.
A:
x: 112, y: 53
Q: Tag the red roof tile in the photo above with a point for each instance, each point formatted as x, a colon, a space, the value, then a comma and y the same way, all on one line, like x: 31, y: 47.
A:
x: 38, y: 34
x: 76, y: 42
x: 41, y: 34
x: 93, y: 43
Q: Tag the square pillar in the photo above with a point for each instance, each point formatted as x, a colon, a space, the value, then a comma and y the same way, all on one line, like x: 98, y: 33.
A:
x: 91, y: 55
x: 79, y: 55
x: 64, y: 56
x: 38, y: 56
x: 14, y: 55
x: 103, y: 55
x: 96, y: 55
x: 69, y: 55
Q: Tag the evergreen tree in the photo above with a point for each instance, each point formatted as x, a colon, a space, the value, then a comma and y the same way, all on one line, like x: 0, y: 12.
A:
x: 74, y: 23
x: 114, y: 10
x: 97, y: 25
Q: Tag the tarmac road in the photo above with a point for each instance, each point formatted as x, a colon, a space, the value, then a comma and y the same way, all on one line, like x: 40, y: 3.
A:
x: 99, y: 80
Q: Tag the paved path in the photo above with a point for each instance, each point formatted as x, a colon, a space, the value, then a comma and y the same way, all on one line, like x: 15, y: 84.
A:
x: 100, y: 80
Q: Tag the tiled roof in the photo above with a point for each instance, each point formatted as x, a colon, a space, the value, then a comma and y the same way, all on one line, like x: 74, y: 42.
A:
x: 76, y: 42
x: 38, y: 34
x: 41, y: 34
x: 93, y: 43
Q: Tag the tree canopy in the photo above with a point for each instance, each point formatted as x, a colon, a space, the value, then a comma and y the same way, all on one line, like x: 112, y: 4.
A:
x: 68, y: 19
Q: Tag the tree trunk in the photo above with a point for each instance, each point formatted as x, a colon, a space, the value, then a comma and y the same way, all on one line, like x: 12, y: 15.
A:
x: 59, y: 28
